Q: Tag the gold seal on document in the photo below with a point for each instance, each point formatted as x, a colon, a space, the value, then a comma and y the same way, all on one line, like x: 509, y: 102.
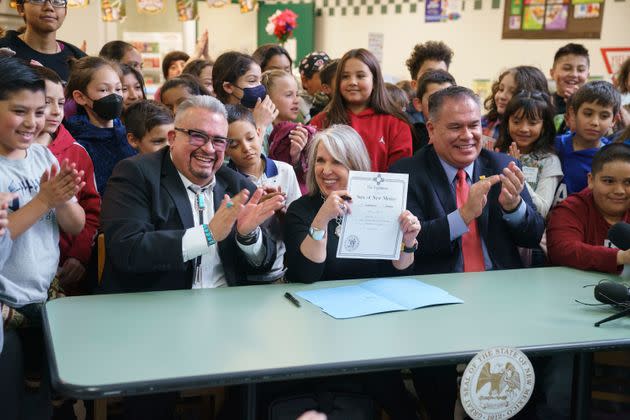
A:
x: 497, y: 383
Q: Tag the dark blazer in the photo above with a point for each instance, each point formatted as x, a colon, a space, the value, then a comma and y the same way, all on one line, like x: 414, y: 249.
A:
x: 431, y: 199
x: 144, y: 216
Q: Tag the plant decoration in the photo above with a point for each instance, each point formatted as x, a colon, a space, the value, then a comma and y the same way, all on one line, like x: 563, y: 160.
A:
x: 281, y: 25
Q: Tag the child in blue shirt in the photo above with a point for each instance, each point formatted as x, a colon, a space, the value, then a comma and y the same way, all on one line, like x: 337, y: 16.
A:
x: 592, y: 111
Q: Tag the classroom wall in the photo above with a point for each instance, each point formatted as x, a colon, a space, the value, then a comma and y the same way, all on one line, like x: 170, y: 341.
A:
x: 480, y: 53
x: 476, y: 37
x: 85, y: 23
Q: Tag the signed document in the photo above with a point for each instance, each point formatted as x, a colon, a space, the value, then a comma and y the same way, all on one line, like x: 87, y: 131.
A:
x: 371, y: 230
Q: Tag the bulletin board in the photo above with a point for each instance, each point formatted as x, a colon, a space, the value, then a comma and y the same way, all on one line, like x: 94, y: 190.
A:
x: 553, y: 19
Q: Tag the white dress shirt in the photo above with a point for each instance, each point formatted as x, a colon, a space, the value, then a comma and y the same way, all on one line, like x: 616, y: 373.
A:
x: 194, y: 243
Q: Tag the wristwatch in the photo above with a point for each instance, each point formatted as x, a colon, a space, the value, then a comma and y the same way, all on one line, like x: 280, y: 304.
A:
x: 316, y: 233
x: 411, y: 249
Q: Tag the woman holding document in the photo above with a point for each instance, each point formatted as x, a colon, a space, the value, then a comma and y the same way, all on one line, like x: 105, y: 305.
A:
x: 313, y: 222
x: 311, y: 244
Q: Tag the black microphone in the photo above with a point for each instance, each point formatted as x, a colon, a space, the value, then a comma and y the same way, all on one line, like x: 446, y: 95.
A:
x: 619, y: 234
x: 612, y: 293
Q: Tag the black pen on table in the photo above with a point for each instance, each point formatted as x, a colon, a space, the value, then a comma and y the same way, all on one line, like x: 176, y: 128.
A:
x: 292, y: 299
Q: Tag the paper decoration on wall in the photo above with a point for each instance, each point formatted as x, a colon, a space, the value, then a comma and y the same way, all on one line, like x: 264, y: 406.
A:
x: 586, y: 11
x: 376, y: 41
x: 433, y: 11
x: 216, y: 3
x: 442, y: 10
x: 113, y: 10
x: 586, y: 1
x: 78, y: 3
x: 150, y: 7
x: 556, y: 17
x: 186, y: 10
x: 248, y: 5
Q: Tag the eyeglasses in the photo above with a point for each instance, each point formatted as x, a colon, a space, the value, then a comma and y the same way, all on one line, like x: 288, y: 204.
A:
x: 55, y: 3
x: 199, y: 138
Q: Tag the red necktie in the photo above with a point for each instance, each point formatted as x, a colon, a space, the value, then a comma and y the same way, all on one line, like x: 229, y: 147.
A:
x: 471, y: 241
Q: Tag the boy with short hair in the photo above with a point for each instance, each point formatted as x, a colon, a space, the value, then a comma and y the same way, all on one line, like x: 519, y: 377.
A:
x: 327, y: 81
x: 593, y: 109
x: 429, y: 83
x: 432, y: 55
x: 276, y: 177
x: 570, y: 71
x: 578, y: 227
x: 148, y: 123
x: 45, y: 202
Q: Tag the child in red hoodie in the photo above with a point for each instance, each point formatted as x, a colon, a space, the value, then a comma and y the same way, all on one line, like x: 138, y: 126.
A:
x: 75, y: 250
x: 361, y: 101
x: 578, y: 227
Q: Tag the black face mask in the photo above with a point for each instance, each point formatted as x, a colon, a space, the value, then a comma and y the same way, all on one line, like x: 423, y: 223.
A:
x: 108, y: 107
x: 252, y: 94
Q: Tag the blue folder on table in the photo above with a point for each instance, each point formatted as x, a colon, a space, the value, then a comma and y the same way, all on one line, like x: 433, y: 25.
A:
x: 376, y: 296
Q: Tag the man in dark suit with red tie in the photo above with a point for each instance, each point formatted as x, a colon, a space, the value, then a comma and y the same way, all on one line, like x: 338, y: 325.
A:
x: 471, y: 202
x: 473, y: 207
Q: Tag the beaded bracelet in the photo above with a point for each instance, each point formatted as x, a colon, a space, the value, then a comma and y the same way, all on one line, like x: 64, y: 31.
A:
x: 209, y: 239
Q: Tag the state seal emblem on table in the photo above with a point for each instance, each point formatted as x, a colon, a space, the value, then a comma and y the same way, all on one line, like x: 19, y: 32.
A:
x: 497, y: 383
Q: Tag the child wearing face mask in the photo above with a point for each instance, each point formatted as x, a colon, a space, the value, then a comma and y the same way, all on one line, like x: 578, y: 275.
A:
x: 96, y: 88
x: 236, y: 79
x: 288, y: 139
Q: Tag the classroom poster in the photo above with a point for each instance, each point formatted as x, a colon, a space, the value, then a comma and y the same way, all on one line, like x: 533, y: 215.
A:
x: 376, y: 41
x: 515, y: 22
x: 533, y: 17
x: 586, y: 11
x: 516, y: 7
x: 556, y: 17
x: 434, y: 11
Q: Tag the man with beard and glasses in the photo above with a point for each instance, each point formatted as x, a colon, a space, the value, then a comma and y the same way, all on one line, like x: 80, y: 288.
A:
x: 178, y: 219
